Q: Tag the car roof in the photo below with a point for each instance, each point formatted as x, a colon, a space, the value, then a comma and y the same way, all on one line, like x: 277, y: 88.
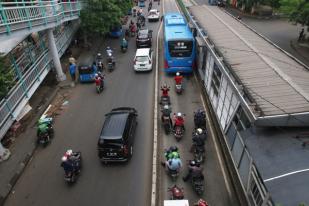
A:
x: 143, y: 31
x: 114, y: 125
x: 142, y: 52
x: 153, y: 10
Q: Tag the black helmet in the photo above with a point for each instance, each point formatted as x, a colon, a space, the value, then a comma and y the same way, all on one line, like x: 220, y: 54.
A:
x: 173, y: 149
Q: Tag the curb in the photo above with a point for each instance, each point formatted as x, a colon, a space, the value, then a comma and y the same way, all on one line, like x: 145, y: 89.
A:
x: 28, y: 157
x: 294, y: 47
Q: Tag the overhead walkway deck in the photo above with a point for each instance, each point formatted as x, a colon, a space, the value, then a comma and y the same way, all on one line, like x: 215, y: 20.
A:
x: 23, y: 18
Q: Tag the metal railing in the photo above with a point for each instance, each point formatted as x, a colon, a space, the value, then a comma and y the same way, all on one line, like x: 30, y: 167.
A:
x: 20, y: 91
x: 26, y: 15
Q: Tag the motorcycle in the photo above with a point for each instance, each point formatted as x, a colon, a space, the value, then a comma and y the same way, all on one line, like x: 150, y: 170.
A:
x: 200, y: 119
x: 178, y: 133
x: 179, y: 88
x: 176, y: 193
x: 99, y: 88
x: 198, y: 185
x: 173, y: 173
x: 166, y: 120
x: 165, y: 100
x: 45, y: 138
x: 71, y: 176
x: 124, y: 49
x: 199, y: 154
x: 110, y: 64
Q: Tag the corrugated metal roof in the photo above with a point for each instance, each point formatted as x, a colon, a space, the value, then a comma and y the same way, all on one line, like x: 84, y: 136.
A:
x: 278, y: 83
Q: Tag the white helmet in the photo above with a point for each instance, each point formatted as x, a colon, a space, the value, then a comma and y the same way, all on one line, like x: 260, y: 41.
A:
x: 99, y: 54
x: 177, y: 74
x: 199, y: 131
x: 179, y: 114
x: 64, y: 158
x: 69, y: 152
x: 96, y: 75
x: 165, y: 106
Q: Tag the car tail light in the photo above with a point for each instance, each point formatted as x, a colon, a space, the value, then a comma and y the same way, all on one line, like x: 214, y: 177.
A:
x: 165, y: 64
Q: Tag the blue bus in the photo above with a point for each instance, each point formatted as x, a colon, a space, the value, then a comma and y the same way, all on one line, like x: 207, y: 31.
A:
x: 179, y: 44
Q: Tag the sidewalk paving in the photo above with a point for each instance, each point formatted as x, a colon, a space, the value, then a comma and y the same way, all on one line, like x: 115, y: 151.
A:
x: 24, y: 146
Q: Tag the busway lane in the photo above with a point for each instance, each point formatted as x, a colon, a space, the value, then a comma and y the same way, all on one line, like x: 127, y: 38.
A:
x: 216, y: 192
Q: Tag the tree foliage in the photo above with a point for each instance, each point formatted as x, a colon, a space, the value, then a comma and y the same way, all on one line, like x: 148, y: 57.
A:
x: 6, y: 78
x: 98, y: 16
x: 298, y: 10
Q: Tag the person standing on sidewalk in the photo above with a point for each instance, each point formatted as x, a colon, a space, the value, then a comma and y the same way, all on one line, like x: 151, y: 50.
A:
x: 72, y: 60
x: 301, y: 35
x: 72, y: 69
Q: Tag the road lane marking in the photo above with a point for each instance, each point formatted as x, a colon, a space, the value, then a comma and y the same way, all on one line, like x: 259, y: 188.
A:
x: 155, y: 125
x: 287, y: 174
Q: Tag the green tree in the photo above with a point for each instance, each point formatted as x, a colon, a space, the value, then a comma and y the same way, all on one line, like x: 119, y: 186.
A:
x: 298, y: 10
x: 6, y: 78
x: 98, y: 16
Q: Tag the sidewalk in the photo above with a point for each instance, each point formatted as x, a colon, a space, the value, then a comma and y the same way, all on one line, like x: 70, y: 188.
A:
x: 23, y: 147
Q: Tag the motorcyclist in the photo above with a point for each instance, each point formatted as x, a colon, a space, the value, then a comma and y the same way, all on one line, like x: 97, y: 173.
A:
x: 195, y: 171
x: 199, y: 118
x: 179, y: 121
x: 165, y: 89
x: 166, y: 111
x: 173, y: 164
x: 178, y: 78
x: 99, y: 81
x: 70, y: 162
x: 124, y: 44
x: 44, y: 127
x: 201, y: 202
x: 171, y: 152
x: 94, y: 66
x: 199, y: 137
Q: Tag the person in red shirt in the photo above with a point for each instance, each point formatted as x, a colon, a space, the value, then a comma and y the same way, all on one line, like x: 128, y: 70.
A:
x: 178, y: 78
x: 99, y: 81
x: 179, y: 121
x: 165, y: 89
x: 201, y: 202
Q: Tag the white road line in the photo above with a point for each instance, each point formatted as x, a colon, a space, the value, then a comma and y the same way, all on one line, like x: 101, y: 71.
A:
x: 216, y: 147
x: 287, y: 174
x: 155, y: 126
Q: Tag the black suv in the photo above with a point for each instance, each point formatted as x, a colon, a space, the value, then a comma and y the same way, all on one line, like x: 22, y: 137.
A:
x: 116, y: 139
x: 144, y: 38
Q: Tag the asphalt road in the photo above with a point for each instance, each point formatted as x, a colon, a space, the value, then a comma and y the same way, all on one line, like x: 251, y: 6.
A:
x: 217, y: 191
x: 78, y: 128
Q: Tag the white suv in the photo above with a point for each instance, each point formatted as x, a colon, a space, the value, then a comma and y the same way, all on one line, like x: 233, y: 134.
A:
x: 143, y: 59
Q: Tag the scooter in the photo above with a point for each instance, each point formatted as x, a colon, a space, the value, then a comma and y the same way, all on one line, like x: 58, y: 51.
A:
x: 99, y: 88
x: 174, y: 174
x: 45, y: 138
x: 124, y: 49
x: 166, y: 121
x: 71, y: 177
x: 165, y: 100
x: 176, y: 193
x: 198, y: 185
x: 179, y: 88
x: 199, y: 154
x: 178, y: 133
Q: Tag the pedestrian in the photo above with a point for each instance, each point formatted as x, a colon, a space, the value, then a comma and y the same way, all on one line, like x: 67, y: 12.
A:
x: 301, y: 35
x: 72, y: 70
x: 72, y: 60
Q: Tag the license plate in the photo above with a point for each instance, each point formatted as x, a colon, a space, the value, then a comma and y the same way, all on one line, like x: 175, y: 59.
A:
x: 142, y: 65
x: 111, y: 154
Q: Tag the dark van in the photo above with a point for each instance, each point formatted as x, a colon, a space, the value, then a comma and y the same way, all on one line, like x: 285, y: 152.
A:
x: 117, y: 136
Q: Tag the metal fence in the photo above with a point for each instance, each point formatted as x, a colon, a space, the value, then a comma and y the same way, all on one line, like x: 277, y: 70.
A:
x: 20, y: 92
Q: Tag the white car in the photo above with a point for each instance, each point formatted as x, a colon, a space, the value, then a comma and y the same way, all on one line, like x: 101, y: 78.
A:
x: 143, y: 60
x: 153, y: 15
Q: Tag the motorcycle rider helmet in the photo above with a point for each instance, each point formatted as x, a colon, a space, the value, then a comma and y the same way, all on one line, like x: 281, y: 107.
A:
x: 202, y: 202
x: 165, y: 106
x: 96, y: 75
x: 177, y: 74
x: 164, y: 85
x: 64, y: 158
x: 174, y: 149
x: 179, y: 114
x: 69, y: 152
x: 199, y: 131
x: 108, y: 48
x: 192, y: 163
x: 99, y: 54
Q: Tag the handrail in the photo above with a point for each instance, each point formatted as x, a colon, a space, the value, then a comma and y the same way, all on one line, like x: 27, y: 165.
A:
x: 20, y: 90
x: 16, y: 15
